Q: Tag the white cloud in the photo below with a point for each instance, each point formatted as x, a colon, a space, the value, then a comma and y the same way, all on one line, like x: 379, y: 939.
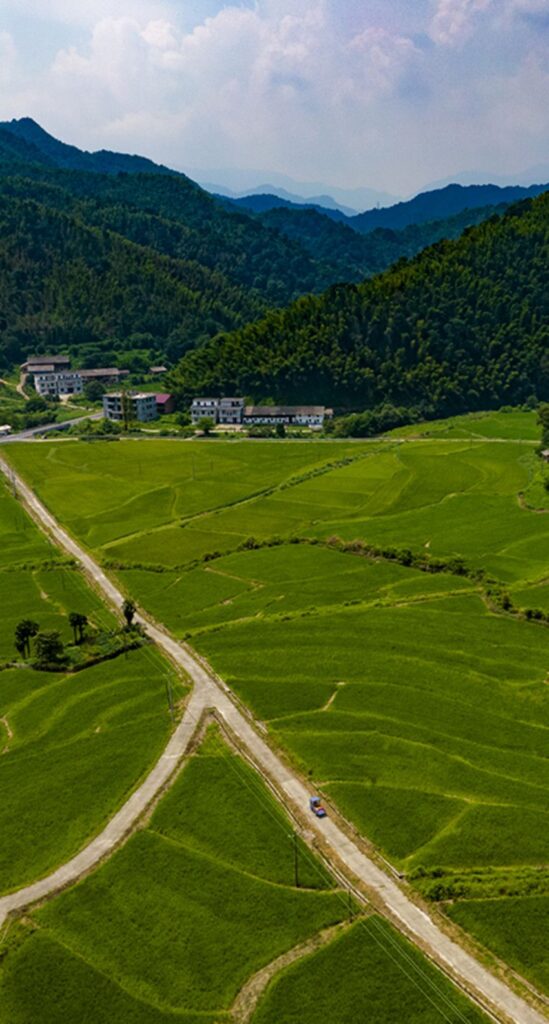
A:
x: 296, y: 87
x: 8, y: 58
x: 453, y: 20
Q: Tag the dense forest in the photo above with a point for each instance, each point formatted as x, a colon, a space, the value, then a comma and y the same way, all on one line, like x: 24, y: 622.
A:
x: 352, y: 256
x: 463, y: 326
x: 222, y: 269
x: 64, y: 284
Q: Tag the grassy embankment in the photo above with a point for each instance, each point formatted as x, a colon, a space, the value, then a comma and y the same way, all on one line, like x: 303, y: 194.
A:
x: 420, y: 708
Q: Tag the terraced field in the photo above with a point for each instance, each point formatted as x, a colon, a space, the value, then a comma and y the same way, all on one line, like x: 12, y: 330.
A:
x: 73, y: 745
x: 175, y: 925
x: 416, y: 704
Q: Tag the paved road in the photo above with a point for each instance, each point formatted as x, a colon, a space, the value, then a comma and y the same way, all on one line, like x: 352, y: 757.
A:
x: 32, y: 432
x: 209, y: 692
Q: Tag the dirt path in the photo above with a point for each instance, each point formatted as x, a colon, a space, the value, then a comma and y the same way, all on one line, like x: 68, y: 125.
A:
x: 292, y: 791
x: 247, y: 999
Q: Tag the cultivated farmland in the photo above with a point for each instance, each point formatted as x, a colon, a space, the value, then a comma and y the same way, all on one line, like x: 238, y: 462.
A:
x: 74, y: 745
x: 177, y: 922
x: 395, y: 670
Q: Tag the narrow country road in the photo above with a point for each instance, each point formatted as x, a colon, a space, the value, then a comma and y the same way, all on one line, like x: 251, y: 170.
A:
x: 209, y: 692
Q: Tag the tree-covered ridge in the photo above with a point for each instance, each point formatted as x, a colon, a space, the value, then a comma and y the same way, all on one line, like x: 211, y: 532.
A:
x: 352, y: 256
x: 174, y: 216
x: 462, y: 326
x: 65, y: 284
x: 440, y: 203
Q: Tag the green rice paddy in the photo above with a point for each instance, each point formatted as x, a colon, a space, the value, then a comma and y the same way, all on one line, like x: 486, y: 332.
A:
x: 73, y: 746
x: 176, y: 922
x: 417, y: 707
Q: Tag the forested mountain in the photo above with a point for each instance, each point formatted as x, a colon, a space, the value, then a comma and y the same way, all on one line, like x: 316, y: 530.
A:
x: 59, y: 154
x: 263, y: 202
x: 226, y: 268
x: 351, y: 256
x: 440, y: 204
x: 66, y: 285
x: 465, y: 325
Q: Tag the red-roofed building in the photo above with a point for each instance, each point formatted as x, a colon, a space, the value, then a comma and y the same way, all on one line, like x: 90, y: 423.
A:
x: 165, y: 404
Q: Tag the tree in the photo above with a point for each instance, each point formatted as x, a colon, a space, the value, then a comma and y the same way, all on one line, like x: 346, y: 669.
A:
x: 49, y: 648
x: 280, y: 430
x: 543, y: 420
x: 24, y: 631
x: 206, y: 425
x: 78, y: 623
x: 128, y: 611
x: 94, y: 391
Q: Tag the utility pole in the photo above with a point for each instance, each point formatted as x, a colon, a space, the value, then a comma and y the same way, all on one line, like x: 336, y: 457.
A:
x: 169, y: 695
x: 296, y: 861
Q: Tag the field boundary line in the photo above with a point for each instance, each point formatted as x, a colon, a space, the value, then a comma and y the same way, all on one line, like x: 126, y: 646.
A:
x: 495, y: 996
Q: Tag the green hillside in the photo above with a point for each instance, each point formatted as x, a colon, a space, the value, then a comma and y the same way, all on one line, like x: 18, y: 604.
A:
x: 461, y: 327
x: 71, y: 279
x: 64, y: 284
x: 353, y: 256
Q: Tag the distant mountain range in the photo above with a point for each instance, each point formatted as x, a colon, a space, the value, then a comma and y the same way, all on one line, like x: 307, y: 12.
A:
x: 237, y: 183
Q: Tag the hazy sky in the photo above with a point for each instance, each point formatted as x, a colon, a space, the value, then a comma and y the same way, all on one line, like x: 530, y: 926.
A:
x: 388, y: 93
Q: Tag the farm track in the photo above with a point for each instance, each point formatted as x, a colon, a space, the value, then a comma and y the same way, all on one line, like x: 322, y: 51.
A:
x: 327, y: 835
x: 246, y: 1002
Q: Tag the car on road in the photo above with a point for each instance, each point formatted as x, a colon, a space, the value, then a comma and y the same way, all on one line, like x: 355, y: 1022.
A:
x: 316, y: 807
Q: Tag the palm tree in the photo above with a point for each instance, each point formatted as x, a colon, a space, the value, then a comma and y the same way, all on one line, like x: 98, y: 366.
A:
x: 24, y: 631
x: 78, y: 623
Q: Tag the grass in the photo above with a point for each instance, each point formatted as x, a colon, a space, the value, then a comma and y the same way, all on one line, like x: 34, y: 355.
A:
x: 515, y: 424
x: 511, y: 928
x: 73, y: 746
x: 367, y: 975
x: 414, y: 706
x: 177, y: 921
x: 80, y: 745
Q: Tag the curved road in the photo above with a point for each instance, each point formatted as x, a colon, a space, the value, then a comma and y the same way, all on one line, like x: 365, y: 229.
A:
x: 209, y: 692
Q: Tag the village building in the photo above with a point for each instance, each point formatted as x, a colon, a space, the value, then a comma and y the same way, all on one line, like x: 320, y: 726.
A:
x: 165, y: 404
x: 46, y: 364
x: 53, y: 385
x: 205, y: 407
x: 230, y: 410
x: 104, y: 375
x: 119, y: 406
x: 233, y: 411
x: 312, y: 416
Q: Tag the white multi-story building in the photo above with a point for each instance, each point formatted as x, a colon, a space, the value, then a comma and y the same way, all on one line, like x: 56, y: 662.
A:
x: 230, y: 410
x: 51, y: 385
x: 119, y: 406
x: 205, y: 407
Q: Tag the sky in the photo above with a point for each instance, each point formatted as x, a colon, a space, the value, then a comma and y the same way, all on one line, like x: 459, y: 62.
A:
x: 390, y: 94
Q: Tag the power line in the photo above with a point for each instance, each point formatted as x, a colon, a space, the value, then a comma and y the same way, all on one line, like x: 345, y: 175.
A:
x: 422, y: 979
